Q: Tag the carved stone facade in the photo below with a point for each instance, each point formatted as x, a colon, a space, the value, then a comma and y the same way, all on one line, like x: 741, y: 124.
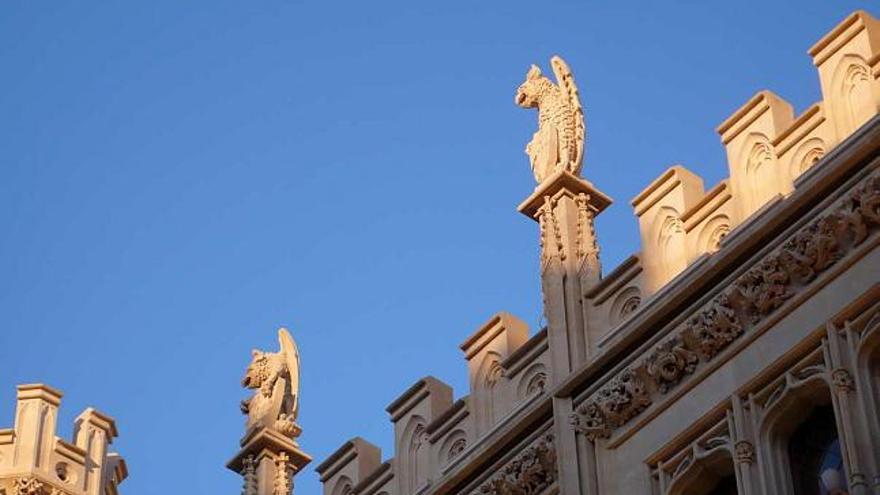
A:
x: 34, y: 461
x: 748, y: 321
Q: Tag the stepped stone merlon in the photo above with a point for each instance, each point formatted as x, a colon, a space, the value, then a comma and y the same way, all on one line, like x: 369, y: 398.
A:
x: 484, y: 351
x: 848, y: 61
x: 349, y: 465
x: 659, y: 208
x: 755, y: 174
x: 411, y: 413
x: 31, y: 453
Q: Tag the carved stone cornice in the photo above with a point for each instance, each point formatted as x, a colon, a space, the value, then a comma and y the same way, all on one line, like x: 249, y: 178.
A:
x: 735, y: 311
x: 529, y: 473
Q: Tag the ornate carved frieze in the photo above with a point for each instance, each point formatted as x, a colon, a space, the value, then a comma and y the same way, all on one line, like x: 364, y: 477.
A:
x: 529, y: 473
x: 736, y: 310
x: 669, y: 362
x: 621, y: 399
x: 28, y: 485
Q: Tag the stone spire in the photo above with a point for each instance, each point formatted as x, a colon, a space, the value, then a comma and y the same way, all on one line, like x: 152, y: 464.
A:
x: 269, y: 455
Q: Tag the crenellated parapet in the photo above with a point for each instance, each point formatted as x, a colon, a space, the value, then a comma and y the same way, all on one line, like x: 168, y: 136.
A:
x: 773, y: 155
x: 35, y: 461
x: 768, y: 149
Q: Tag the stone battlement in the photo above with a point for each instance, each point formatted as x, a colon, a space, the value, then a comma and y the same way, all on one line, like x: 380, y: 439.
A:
x: 770, y: 153
x: 34, y: 461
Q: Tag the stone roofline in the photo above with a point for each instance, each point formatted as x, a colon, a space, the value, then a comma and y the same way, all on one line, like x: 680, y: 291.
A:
x: 31, y: 452
x: 692, y: 240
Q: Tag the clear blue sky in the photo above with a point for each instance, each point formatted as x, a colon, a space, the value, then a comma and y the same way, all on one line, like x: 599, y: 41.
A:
x: 178, y: 179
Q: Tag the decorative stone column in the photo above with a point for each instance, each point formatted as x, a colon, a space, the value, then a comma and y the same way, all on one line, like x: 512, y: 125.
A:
x: 270, y: 456
x: 268, y: 461
x: 565, y: 207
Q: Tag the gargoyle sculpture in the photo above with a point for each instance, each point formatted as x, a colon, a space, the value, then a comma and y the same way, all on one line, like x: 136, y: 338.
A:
x: 559, y: 142
x: 275, y: 380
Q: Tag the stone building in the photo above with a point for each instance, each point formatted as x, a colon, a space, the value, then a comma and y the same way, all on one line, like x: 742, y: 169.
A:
x: 34, y: 461
x: 737, y: 352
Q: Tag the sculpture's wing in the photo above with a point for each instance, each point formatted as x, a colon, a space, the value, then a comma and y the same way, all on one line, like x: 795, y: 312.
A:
x: 291, y: 356
x: 565, y: 79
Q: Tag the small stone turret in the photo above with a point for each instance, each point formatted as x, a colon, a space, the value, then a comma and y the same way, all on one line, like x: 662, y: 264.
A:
x: 34, y: 461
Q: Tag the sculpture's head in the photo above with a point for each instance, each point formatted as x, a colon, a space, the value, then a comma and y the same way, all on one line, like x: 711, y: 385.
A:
x: 258, y: 371
x: 528, y: 95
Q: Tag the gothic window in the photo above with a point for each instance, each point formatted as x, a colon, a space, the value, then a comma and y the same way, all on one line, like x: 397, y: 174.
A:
x: 814, y: 455
x: 710, y: 475
x: 725, y: 486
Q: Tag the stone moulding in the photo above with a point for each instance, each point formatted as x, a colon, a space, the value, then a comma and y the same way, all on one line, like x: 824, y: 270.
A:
x: 735, y: 311
x: 532, y: 472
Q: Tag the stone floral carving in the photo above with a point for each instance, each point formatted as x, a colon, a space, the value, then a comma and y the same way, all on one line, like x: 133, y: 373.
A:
x: 861, y: 209
x: 529, y: 473
x: 669, y: 362
x: 275, y: 379
x: 28, y: 485
x: 621, y: 399
x: 559, y: 142
x: 713, y: 328
x: 762, y: 289
x: 745, y: 304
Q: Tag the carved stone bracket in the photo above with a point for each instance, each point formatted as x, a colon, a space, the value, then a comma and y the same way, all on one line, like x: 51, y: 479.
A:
x: 743, y: 305
x: 529, y: 473
x: 744, y: 452
x: 842, y: 380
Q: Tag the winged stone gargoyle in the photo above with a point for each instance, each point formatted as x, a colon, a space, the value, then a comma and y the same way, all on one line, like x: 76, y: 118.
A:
x: 274, y: 377
x: 559, y: 142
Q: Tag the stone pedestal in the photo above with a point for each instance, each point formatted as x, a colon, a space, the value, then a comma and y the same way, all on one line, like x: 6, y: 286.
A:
x: 268, y: 462
x: 565, y: 207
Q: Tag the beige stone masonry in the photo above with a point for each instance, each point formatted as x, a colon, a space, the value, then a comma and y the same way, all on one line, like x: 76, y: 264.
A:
x: 844, y: 58
x: 620, y: 351
x: 484, y: 352
x: 659, y: 209
x: 31, y: 455
x: 411, y: 413
x: 755, y: 174
x: 348, y: 466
